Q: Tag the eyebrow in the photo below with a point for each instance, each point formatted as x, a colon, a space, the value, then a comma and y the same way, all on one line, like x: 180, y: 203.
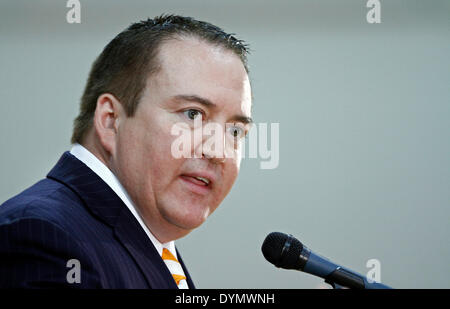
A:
x: 209, y: 104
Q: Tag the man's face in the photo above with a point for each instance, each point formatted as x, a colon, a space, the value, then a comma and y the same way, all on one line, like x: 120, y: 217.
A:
x: 165, y: 189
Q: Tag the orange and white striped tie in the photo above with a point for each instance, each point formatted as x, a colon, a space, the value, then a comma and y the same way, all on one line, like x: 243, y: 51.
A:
x: 175, y: 269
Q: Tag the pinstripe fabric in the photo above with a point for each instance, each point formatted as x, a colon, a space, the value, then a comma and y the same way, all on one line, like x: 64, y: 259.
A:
x: 73, y: 214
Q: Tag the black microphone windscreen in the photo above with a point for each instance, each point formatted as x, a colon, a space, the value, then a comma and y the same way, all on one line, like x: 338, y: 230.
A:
x: 282, y: 250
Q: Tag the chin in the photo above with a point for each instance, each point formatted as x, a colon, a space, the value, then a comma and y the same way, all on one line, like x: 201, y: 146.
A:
x: 187, y: 216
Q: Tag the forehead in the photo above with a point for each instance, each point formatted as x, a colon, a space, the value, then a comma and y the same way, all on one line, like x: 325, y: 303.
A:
x: 192, y: 66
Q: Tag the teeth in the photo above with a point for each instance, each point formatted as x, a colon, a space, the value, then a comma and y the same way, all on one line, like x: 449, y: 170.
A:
x: 203, y: 179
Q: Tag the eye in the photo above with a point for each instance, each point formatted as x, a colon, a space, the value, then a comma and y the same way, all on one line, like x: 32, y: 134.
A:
x: 192, y: 113
x: 236, y: 132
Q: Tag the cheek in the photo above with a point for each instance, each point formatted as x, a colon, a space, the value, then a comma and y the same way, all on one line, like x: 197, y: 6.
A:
x: 160, y: 163
x: 134, y: 152
x: 230, y: 174
x: 130, y: 162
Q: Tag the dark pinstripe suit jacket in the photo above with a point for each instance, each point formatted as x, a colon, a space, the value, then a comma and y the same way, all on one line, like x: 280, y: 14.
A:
x: 74, y: 214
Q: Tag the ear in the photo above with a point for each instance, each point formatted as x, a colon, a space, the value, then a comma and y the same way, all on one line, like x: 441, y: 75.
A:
x: 108, y: 113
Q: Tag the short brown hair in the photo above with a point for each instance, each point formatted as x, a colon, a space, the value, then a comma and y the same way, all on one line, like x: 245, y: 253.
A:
x: 126, y: 62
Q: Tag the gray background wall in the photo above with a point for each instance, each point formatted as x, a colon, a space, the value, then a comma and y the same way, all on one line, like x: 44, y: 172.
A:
x: 364, y: 113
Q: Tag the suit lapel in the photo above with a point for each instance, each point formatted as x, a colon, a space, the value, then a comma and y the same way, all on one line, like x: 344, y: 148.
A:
x: 104, y: 204
x: 143, y: 252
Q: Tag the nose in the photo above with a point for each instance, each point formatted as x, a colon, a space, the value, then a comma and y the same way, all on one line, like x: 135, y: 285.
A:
x: 217, y: 159
x: 212, y: 145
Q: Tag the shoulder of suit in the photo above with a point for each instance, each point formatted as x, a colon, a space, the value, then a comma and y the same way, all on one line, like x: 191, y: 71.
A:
x: 48, y: 200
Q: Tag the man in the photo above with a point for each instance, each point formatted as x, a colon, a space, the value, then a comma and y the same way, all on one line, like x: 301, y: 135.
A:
x: 108, y: 213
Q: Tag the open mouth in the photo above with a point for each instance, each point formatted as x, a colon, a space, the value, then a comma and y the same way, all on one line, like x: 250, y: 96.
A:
x: 197, y: 184
x: 201, y: 181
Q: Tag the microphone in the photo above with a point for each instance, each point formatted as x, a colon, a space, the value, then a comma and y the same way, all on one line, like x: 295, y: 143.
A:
x: 285, y: 251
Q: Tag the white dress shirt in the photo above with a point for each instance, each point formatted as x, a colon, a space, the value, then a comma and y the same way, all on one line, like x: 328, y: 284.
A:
x: 111, y: 180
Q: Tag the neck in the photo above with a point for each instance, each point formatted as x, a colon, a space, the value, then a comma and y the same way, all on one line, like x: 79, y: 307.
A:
x: 92, y: 143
